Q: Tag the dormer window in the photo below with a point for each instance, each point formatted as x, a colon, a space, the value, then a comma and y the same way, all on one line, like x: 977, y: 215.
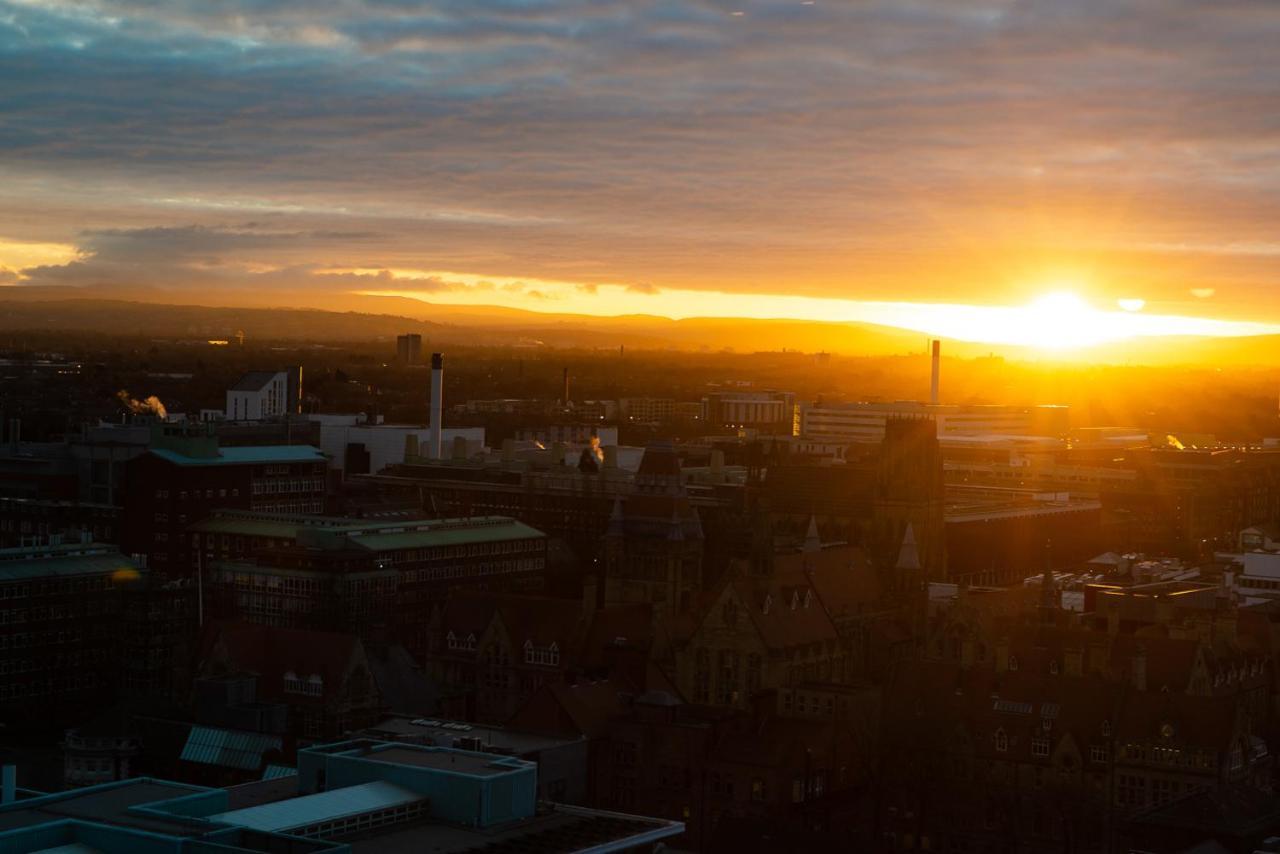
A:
x: 1002, y: 741
x: 292, y: 684
x: 795, y: 600
x: 768, y: 602
x: 548, y: 656
x: 315, y: 685
x: 452, y: 641
x: 1106, y: 729
x: 1053, y: 667
x: 808, y: 598
x: 1013, y: 662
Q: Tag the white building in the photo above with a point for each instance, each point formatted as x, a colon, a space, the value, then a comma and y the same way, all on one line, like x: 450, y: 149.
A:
x: 864, y: 422
x: 387, y: 444
x: 258, y: 395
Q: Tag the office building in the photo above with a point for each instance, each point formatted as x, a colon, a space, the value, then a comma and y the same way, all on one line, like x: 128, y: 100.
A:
x: 409, y: 349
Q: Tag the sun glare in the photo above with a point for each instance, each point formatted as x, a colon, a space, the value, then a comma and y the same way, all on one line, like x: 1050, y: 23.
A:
x: 1057, y: 320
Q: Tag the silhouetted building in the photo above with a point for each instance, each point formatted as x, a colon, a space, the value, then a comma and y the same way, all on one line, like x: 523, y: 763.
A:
x: 409, y: 349
x: 653, y: 545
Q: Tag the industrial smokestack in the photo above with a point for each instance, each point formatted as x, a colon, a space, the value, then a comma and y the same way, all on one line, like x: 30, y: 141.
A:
x: 437, y: 404
x: 937, y: 365
x: 566, y: 387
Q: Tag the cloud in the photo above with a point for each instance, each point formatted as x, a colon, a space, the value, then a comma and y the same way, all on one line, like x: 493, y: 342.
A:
x: 642, y: 288
x: 862, y: 150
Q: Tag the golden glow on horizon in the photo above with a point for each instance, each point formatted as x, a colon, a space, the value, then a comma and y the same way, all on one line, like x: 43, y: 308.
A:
x: 1057, y: 320
x: 16, y: 255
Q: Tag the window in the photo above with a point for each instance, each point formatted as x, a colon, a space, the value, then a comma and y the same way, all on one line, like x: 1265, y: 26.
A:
x: 1013, y: 662
x: 1002, y: 740
x: 757, y: 790
x: 729, y: 613
x: 1099, y: 753
x: 1040, y: 747
x: 545, y: 655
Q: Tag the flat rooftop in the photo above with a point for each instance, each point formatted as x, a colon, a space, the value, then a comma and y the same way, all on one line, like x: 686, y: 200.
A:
x: 559, y: 829
x: 463, y: 762
x: 444, y: 732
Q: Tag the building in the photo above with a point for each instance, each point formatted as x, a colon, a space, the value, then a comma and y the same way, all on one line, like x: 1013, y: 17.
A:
x: 491, y: 652
x: 259, y: 395
x: 865, y: 422
x: 565, y: 500
x: 323, y: 679
x: 184, y: 477
x: 647, y: 410
x: 346, y: 798
x: 570, y: 434
x: 60, y: 636
x: 770, y: 412
x: 352, y: 575
x: 355, y: 447
x: 409, y: 349
x: 653, y: 547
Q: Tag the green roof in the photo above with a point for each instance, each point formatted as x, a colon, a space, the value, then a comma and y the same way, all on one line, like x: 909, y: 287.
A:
x: 228, y: 748
x: 19, y: 564
x: 366, y: 534
x: 247, y: 454
x: 514, y: 530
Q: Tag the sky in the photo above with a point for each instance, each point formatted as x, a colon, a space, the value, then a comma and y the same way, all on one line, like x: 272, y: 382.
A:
x: 940, y: 163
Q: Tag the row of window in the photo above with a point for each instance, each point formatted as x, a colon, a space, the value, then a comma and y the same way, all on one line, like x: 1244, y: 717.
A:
x: 312, y: 686
x: 291, y: 485
x: 467, y: 550
x: 44, y: 687
x: 56, y: 587
x: 544, y: 655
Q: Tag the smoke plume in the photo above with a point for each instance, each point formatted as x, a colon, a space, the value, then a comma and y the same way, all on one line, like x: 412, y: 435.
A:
x: 151, y: 405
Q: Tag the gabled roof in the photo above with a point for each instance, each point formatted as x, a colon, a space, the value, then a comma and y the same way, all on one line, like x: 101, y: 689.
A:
x: 254, y: 381
x: 228, y: 748
x: 784, y: 626
x: 541, y: 620
x: 272, y: 652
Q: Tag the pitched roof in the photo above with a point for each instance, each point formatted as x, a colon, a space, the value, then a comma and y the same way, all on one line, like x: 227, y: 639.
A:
x: 254, y: 381
x: 779, y: 624
x: 272, y: 652
x: 543, y: 620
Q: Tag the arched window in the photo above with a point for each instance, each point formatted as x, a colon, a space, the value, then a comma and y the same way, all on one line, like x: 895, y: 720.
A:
x: 1002, y: 740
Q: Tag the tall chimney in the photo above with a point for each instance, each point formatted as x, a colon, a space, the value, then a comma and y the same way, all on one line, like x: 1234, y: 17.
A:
x: 437, y: 404
x: 937, y: 365
x: 566, y: 387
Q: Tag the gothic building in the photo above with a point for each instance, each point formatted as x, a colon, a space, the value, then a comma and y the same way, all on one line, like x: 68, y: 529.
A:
x: 653, y: 547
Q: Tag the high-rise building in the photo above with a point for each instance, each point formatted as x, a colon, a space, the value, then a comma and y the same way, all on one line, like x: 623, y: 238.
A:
x: 409, y: 349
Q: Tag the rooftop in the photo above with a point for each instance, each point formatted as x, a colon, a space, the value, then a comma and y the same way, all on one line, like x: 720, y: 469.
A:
x: 246, y: 455
x: 25, y: 562
x: 368, y: 534
x: 295, y: 813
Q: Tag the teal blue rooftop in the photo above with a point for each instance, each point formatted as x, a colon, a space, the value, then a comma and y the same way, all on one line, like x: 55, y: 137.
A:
x: 332, y: 805
x: 228, y: 748
x: 28, y: 562
x: 247, y: 455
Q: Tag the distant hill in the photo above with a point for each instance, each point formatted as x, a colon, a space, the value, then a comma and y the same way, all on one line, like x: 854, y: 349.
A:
x: 343, y: 316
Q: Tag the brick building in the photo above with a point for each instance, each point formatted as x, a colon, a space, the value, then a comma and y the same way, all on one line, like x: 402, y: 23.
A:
x: 183, y: 478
